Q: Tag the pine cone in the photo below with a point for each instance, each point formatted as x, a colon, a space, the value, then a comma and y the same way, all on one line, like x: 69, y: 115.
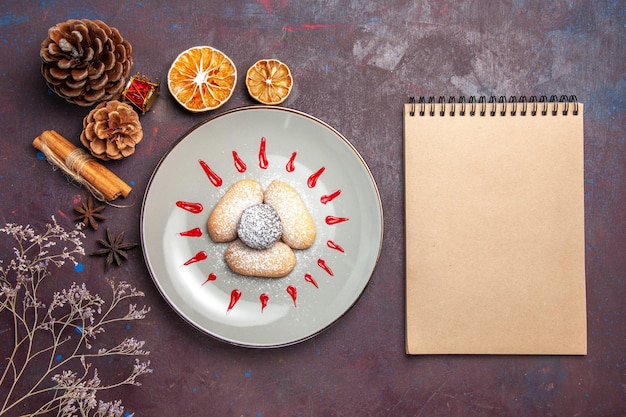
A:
x: 85, y: 61
x: 111, y: 130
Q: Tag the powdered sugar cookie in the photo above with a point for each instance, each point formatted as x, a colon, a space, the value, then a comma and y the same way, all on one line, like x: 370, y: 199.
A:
x: 274, y: 262
x: 259, y: 226
x: 298, y: 227
x: 225, y: 216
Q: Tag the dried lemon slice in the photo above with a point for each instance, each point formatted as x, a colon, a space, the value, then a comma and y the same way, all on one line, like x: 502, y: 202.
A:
x: 202, y: 78
x: 269, y: 81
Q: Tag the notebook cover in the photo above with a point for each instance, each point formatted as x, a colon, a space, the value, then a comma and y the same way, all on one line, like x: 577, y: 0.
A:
x: 495, y: 253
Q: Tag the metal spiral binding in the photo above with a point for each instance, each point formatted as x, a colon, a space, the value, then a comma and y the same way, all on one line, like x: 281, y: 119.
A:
x: 493, y: 105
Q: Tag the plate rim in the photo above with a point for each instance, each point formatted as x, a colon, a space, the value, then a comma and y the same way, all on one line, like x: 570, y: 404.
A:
x: 173, y: 146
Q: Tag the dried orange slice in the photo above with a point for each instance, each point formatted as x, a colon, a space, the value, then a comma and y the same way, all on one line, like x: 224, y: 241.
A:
x: 269, y: 81
x: 202, y: 78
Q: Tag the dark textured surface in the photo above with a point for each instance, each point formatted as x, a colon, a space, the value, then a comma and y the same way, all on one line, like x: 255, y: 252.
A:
x: 354, y: 63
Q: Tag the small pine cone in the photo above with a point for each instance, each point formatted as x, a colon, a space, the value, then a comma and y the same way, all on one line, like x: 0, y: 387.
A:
x: 85, y: 61
x: 111, y: 130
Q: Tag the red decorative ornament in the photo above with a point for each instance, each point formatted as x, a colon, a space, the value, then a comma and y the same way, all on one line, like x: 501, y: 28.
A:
x: 141, y: 92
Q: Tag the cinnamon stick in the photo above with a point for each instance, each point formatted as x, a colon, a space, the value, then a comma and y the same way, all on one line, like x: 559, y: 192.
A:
x: 109, y: 185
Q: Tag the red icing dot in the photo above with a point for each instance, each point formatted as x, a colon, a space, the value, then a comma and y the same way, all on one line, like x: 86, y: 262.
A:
x: 312, y: 181
x: 309, y: 278
x: 262, y: 156
x: 213, y: 177
x: 335, y: 246
x: 290, y: 167
x: 211, y: 277
x: 325, y: 199
x: 195, y: 232
x: 330, y: 220
x: 239, y: 164
x: 291, y: 290
x: 200, y: 256
x: 322, y: 264
x: 194, y: 208
x: 264, y: 298
x: 235, y: 295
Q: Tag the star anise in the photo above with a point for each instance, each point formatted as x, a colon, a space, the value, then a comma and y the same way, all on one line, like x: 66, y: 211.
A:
x: 114, y: 248
x: 88, y: 214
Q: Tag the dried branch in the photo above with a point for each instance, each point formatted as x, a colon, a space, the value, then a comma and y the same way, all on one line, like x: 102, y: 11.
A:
x: 53, y: 340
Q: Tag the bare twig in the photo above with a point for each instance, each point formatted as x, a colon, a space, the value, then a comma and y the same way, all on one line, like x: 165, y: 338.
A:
x: 60, y: 334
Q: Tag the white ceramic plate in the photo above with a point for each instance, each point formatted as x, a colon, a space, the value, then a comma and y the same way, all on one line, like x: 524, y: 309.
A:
x: 262, y: 143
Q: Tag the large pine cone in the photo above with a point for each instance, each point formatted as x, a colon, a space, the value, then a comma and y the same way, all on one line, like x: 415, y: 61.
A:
x: 111, y: 130
x: 85, y: 61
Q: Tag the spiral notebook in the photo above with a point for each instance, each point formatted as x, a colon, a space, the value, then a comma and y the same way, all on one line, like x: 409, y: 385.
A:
x: 495, y: 252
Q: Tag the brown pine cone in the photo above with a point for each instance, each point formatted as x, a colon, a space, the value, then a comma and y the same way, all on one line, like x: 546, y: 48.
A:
x: 85, y: 61
x: 111, y: 130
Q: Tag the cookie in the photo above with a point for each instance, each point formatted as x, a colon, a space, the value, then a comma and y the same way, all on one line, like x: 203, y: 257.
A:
x: 225, y: 216
x: 274, y: 262
x: 298, y: 227
x: 259, y: 226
